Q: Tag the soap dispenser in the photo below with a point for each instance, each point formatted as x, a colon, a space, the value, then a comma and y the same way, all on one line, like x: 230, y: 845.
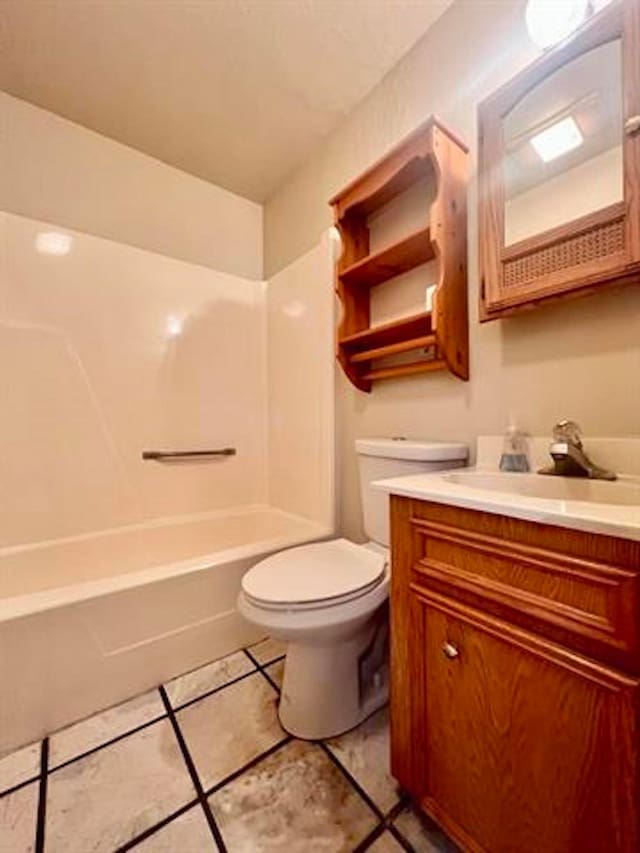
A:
x: 514, y: 451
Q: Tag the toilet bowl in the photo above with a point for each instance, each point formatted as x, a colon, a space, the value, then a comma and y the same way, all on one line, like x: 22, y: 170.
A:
x: 328, y: 602
x: 336, y: 632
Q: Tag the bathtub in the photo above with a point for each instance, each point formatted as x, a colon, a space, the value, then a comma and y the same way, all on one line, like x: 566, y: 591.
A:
x: 89, y: 621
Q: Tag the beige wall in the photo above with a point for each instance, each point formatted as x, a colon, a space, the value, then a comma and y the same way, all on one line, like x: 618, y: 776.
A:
x: 581, y: 359
x: 54, y: 170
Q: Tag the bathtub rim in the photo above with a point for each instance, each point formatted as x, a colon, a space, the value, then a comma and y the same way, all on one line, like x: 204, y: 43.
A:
x: 31, y: 603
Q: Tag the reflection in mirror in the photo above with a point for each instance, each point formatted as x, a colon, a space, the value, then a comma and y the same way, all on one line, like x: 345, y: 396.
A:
x: 563, y: 145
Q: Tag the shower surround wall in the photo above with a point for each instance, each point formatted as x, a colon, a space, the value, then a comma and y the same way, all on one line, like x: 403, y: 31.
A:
x: 109, y: 350
x: 118, y: 573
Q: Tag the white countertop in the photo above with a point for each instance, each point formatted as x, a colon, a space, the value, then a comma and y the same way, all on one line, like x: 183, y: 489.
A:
x: 612, y: 509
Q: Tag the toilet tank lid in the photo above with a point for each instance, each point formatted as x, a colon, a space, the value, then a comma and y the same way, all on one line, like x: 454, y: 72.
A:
x: 414, y: 449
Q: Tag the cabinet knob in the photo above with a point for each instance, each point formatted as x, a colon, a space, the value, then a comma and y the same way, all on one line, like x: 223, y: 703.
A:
x: 450, y: 651
x: 632, y: 124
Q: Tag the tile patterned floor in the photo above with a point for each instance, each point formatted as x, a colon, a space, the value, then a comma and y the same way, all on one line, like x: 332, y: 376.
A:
x: 202, y: 764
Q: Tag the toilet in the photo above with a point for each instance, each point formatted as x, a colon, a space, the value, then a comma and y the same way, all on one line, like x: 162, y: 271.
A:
x: 329, y: 602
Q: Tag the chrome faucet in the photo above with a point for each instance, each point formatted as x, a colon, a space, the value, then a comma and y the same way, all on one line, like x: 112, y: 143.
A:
x: 569, y: 457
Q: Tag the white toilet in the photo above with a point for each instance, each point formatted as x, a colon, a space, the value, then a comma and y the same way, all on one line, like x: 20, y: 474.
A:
x: 328, y: 601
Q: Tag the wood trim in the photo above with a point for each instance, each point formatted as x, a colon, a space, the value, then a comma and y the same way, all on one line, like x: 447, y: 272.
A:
x: 623, y: 276
x: 389, y: 333
x: 392, y: 349
x: 450, y: 826
x: 407, y: 705
x: 409, y: 369
x: 562, y: 232
x: 448, y: 218
x: 405, y: 255
x: 598, y: 673
x: 413, y: 138
x: 577, y: 588
x: 532, y: 555
x: 631, y: 96
x: 539, y: 607
x: 356, y: 314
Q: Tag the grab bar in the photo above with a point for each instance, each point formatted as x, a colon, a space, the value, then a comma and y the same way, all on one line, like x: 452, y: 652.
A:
x: 160, y: 455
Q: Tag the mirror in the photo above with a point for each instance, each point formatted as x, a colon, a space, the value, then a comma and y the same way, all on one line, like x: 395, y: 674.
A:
x: 563, y: 145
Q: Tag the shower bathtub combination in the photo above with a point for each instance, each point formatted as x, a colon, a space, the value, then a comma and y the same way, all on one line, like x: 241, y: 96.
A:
x: 120, y: 564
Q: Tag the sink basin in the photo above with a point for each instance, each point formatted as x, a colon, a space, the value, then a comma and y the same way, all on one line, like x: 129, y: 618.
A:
x: 594, y: 506
x: 623, y: 492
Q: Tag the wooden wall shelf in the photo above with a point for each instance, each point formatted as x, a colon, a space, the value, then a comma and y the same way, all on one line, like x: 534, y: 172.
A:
x: 435, y: 152
x: 394, y: 260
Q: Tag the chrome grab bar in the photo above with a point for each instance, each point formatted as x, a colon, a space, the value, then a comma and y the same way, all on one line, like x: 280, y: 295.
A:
x: 161, y: 455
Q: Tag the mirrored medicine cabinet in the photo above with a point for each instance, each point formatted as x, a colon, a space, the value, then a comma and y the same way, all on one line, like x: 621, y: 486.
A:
x: 559, y: 170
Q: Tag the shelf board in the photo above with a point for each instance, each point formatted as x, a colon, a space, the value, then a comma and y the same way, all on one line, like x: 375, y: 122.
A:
x: 415, y: 326
x: 394, y: 260
x: 393, y: 349
x: 404, y: 370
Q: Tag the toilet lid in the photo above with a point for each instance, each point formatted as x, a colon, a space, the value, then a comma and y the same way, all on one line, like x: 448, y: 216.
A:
x: 321, y: 572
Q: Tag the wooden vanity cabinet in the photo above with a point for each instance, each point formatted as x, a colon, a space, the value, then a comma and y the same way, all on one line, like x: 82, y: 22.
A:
x: 515, y: 704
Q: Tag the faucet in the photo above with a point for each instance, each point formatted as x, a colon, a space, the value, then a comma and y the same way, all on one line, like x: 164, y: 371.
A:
x: 569, y: 457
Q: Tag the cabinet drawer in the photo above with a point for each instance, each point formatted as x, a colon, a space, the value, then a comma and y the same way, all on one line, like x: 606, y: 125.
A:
x: 573, y: 587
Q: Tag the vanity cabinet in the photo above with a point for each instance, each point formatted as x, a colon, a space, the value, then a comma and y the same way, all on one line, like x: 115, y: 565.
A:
x: 515, y: 704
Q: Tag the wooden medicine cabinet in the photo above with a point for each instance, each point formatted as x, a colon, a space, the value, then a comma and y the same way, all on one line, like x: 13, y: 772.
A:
x: 559, y: 169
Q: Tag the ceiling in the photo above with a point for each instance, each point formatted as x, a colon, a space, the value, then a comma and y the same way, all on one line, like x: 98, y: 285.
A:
x: 238, y: 92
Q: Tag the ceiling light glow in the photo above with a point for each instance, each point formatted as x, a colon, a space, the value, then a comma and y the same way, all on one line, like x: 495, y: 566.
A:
x: 550, y: 21
x: 559, y: 139
x: 53, y: 243
x: 174, y: 326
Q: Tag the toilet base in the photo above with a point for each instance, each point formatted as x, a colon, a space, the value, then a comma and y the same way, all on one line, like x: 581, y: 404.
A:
x: 330, y: 689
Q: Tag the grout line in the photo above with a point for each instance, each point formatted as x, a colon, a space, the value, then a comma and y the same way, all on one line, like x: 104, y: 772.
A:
x: 211, y: 692
x: 249, y: 765
x: 399, y: 837
x: 370, y: 838
x: 386, y: 825
x: 193, y: 773
x: 270, y: 680
x: 264, y: 665
x: 136, y: 728
x: 86, y: 753
x: 106, y: 743
x: 265, y: 674
x: 19, y: 785
x: 133, y: 842
x: 262, y: 668
x: 354, y: 783
x: 253, y: 660
x: 397, y: 809
x: 42, y: 796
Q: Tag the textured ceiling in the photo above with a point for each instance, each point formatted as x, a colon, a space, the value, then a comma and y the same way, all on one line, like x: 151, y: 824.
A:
x: 238, y: 92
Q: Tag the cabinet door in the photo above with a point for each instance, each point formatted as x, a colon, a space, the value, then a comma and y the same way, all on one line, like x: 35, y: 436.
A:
x: 528, y: 748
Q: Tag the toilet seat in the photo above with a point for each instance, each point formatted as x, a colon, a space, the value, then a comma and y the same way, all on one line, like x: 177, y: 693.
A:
x: 314, y: 576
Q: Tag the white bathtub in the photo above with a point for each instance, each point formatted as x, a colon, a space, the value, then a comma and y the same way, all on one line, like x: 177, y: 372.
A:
x: 88, y: 621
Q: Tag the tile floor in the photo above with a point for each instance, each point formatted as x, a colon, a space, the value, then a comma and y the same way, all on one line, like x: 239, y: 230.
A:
x: 202, y: 764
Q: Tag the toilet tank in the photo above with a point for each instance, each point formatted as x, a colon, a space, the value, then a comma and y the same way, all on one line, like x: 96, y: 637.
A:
x: 379, y: 458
